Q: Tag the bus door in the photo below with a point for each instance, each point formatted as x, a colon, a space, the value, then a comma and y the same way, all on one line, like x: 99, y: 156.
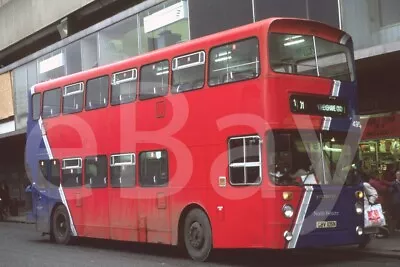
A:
x: 244, y: 193
x: 154, y: 220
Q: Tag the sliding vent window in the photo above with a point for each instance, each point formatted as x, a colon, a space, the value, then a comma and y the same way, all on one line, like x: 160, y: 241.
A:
x: 234, y: 62
x: 51, y: 103
x: 245, y: 160
x: 188, y: 72
x: 122, y: 169
x: 154, y: 80
x: 73, y: 98
x: 96, y: 172
x: 97, y: 93
x: 123, y: 87
x: 72, y: 172
x: 36, y: 106
x: 153, y: 169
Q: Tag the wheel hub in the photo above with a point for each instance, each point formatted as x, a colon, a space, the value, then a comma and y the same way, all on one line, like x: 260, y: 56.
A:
x: 61, y: 225
x: 196, y: 235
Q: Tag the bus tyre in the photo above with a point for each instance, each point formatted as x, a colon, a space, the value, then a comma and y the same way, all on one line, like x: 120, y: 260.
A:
x: 366, y: 240
x: 61, y: 229
x: 197, y: 235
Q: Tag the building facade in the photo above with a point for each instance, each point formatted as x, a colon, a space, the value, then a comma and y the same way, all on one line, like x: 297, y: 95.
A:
x: 43, y: 40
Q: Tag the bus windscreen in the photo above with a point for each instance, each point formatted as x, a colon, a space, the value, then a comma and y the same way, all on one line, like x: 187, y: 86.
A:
x: 310, y: 56
x: 306, y: 157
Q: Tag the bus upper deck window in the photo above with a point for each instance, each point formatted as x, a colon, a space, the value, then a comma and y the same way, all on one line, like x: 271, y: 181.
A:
x: 234, y: 62
x: 36, y: 102
x: 123, y: 87
x: 97, y: 93
x: 188, y: 72
x: 73, y: 98
x: 154, y: 80
x: 51, y: 103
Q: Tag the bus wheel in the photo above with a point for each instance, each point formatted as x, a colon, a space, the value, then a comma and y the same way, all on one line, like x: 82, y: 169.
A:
x: 366, y: 240
x: 197, y: 235
x: 61, y: 226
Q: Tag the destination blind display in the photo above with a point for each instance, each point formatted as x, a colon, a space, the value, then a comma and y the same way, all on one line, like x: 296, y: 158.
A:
x: 318, y: 105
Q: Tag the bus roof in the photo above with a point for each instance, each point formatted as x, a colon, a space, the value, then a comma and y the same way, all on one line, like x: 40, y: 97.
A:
x: 275, y: 24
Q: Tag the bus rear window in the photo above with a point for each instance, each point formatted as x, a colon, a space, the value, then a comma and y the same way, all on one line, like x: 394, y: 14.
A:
x: 36, y: 106
x: 311, y: 56
x: 234, y: 62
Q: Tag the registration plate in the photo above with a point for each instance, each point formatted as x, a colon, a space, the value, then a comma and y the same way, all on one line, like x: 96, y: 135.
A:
x: 328, y: 224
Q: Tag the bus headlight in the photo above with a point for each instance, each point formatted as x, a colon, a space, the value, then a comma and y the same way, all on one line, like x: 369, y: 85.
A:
x: 359, y: 208
x: 288, y: 236
x: 359, y: 231
x: 288, y: 211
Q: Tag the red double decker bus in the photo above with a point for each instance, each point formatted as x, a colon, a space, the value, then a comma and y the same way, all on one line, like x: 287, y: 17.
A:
x: 240, y: 139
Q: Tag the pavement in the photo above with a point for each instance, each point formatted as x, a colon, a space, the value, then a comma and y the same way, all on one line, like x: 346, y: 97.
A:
x: 21, y: 218
x: 386, y: 247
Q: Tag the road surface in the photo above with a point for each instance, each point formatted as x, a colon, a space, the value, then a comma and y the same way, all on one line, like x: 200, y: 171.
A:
x: 21, y: 246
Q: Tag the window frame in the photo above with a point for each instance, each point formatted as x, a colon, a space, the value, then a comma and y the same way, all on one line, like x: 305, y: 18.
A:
x: 140, y: 80
x: 79, y: 166
x: 229, y: 43
x: 140, y: 170
x: 173, y: 68
x: 60, y: 104
x: 86, y: 92
x: 135, y: 79
x: 64, y: 94
x: 131, y: 163
x: 88, y: 185
x: 245, y: 164
x: 33, y: 107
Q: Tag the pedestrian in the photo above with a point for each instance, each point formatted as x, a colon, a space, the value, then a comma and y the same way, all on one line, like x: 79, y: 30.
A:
x: 372, y: 198
x: 395, y: 199
x: 5, y: 196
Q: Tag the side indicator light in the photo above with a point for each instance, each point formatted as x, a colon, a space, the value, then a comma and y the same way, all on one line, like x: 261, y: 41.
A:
x: 287, y: 196
x: 222, y: 181
x: 359, y: 194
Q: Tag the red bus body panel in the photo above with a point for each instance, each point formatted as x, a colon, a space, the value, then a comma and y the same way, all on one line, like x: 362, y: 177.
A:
x: 194, y: 127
